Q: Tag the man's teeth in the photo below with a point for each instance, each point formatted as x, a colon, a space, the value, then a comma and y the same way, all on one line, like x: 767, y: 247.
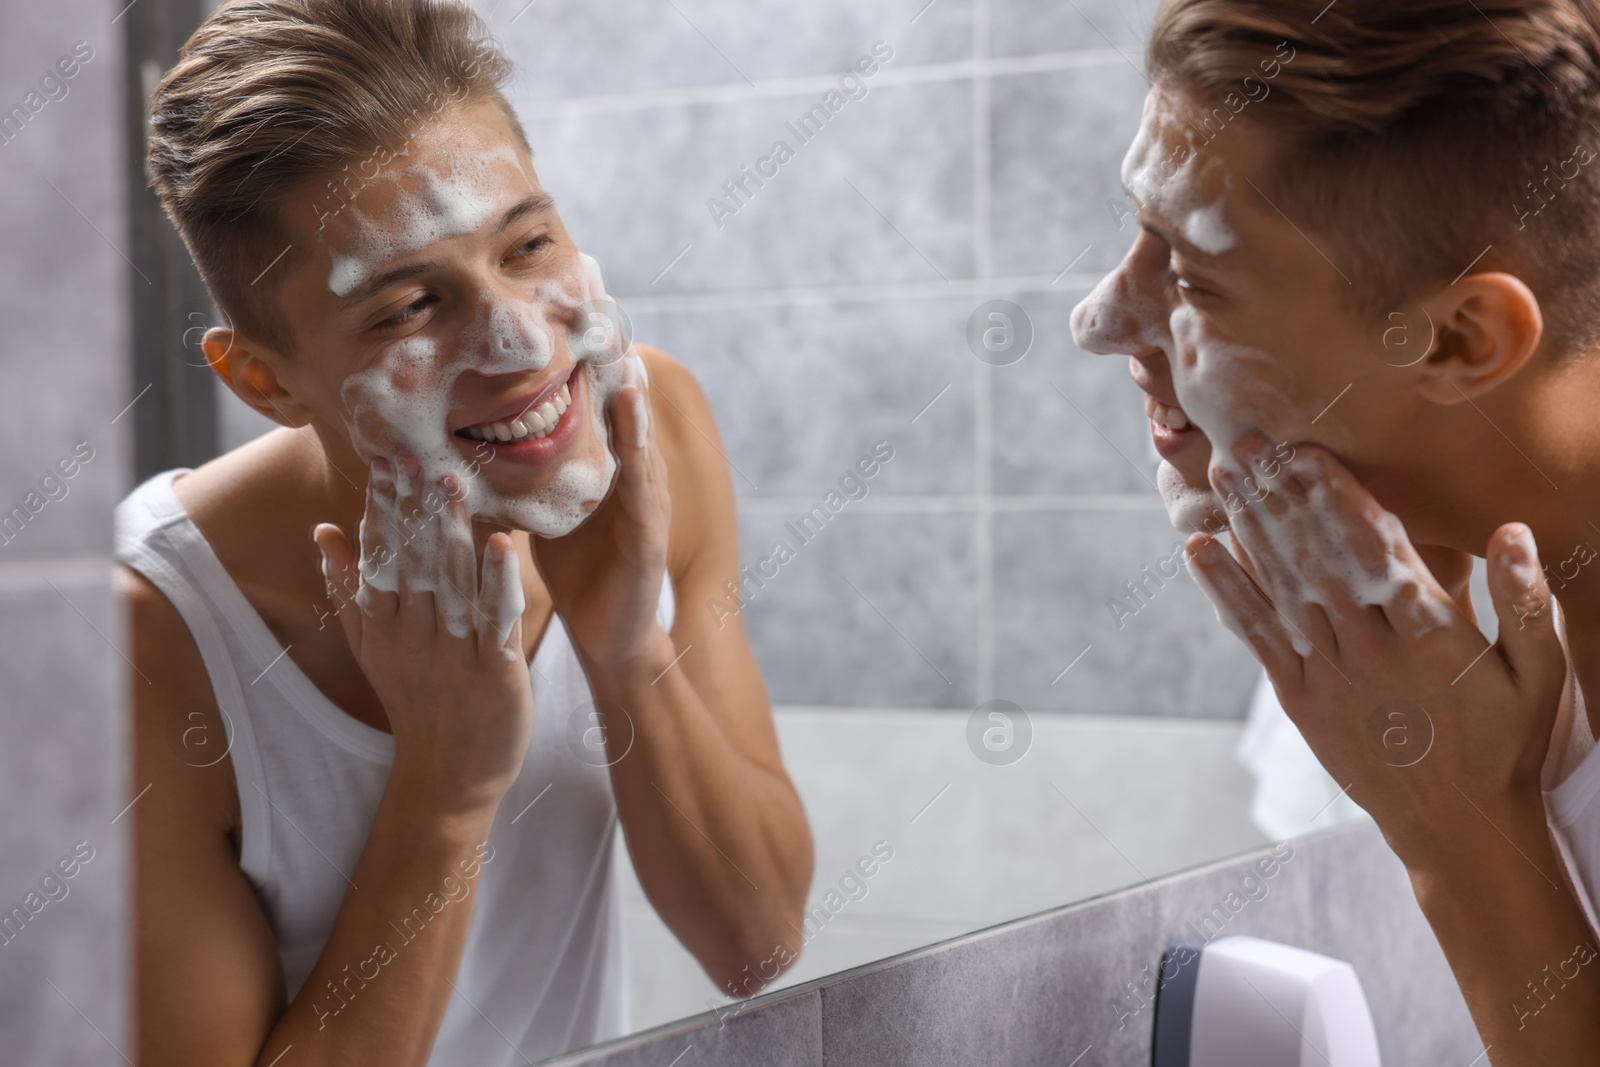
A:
x: 529, y: 426
x: 1172, y: 418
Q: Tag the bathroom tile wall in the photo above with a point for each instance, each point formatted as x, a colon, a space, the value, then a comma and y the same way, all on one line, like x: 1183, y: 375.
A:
x: 826, y: 309
x: 63, y: 296
x: 1063, y: 986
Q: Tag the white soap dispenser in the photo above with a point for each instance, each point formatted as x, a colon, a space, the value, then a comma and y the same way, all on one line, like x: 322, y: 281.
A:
x: 1245, y: 1002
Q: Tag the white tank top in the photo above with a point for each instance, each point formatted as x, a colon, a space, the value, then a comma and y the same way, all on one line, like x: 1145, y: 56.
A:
x: 543, y: 968
x: 1571, y: 780
x: 1572, y: 796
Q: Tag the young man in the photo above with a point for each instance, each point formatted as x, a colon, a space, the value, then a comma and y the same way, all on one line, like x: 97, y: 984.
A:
x: 383, y: 735
x: 1365, y: 307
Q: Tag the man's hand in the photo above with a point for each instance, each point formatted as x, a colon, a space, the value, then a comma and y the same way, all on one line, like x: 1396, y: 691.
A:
x: 605, y: 577
x: 442, y: 649
x: 1439, y: 737
x: 1387, y: 678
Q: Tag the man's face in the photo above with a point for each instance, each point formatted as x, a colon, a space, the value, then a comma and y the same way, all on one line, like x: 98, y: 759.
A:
x: 446, y: 316
x: 1232, y: 320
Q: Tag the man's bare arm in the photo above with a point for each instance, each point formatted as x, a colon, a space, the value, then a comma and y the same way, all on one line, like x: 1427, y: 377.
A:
x: 460, y: 708
x: 1466, y: 813
x: 210, y: 987
x: 716, y: 831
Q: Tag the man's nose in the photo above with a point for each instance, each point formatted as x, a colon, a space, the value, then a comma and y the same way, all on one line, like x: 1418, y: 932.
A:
x: 1111, y: 320
x: 511, y: 334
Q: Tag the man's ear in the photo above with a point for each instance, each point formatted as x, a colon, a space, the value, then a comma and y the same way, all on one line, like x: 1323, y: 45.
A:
x: 247, y: 366
x: 1486, y: 328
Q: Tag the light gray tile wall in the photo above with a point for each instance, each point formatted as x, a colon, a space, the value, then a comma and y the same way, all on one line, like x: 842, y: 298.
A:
x: 830, y: 311
x: 1064, y: 986
x: 63, y: 296
x: 640, y: 46
x: 1027, y: 27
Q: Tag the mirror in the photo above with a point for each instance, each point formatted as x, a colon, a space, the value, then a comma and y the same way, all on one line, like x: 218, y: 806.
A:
x: 863, y: 227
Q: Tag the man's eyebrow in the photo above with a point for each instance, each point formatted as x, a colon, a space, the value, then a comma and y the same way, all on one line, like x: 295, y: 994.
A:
x: 1176, y: 240
x: 528, y: 205
x: 1168, y: 234
x: 378, y: 282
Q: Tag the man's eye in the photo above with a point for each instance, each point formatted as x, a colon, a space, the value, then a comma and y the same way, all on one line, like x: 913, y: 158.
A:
x: 535, y: 246
x: 408, y: 312
x: 1183, y: 284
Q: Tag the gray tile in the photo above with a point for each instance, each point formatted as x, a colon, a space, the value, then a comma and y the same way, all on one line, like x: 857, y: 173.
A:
x: 904, y: 636
x: 1027, y: 27
x: 1057, y: 145
x: 62, y: 282
x: 882, y: 193
x: 1066, y: 421
x: 1364, y: 911
x: 1050, y: 988
x: 783, y: 1030
x: 61, y: 781
x: 1032, y: 993
x: 647, y: 45
x: 1055, y: 575
x: 802, y: 393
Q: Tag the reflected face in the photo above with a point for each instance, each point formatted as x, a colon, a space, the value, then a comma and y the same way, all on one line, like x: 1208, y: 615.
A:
x: 1231, y: 317
x: 447, y: 316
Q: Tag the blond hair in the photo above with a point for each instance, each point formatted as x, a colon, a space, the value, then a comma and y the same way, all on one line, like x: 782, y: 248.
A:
x: 1410, y: 136
x: 268, y: 94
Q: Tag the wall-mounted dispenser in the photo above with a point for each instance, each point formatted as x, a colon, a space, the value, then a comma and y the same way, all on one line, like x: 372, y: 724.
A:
x: 1244, y: 1002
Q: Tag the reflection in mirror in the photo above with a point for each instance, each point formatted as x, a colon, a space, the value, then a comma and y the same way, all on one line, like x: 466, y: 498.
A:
x: 855, y: 620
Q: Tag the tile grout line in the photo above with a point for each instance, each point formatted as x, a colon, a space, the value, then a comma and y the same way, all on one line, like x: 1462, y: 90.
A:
x: 853, y: 292
x: 29, y: 572
x: 983, y: 431
x: 822, y: 1032
x: 947, y: 502
x: 733, y: 93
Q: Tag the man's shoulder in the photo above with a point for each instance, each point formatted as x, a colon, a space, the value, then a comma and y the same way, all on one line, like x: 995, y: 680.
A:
x: 174, y: 722
x: 698, y: 475
x: 242, y: 481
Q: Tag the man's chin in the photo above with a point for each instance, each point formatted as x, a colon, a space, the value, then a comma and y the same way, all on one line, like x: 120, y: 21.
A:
x: 1190, y: 508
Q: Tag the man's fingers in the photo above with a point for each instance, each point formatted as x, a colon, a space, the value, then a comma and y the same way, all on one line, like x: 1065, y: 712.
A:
x: 376, y: 595
x: 630, y: 422
x: 1388, y: 580
x: 340, y: 573
x: 500, y: 599
x: 1264, y: 536
x: 457, y: 585
x: 1528, y: 638
x: 417, y: 549
x: 1242, y: 608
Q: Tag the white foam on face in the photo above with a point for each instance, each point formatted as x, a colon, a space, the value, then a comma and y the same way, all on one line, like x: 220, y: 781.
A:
x: 1189, y: 507
x: 1118, y: 318
x: 403, y: 400
x: 1227, y: 389
x: 1206, y: 227
x: 1193, y: 195
x: 432, y: 204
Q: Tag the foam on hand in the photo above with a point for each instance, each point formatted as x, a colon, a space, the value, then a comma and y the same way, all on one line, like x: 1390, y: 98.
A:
x: 1225, y: 389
